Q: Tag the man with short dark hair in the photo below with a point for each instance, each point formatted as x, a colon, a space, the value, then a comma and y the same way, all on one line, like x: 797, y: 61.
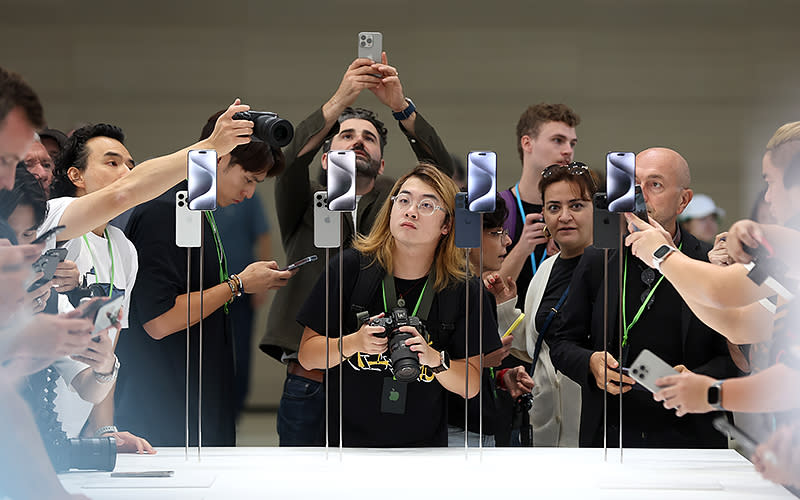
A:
x: 336, y: 126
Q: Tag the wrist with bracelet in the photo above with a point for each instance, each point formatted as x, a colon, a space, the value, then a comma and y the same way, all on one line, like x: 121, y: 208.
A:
x: 105, y: 430
x: 235, y: 284
x: 105, y: 378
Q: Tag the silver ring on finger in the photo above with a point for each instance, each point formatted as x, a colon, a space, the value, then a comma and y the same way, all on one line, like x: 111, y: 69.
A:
x: 39, y: 302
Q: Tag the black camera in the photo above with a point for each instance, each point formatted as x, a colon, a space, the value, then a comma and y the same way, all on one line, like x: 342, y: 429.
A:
x: 405, y: 362
x: 268, y: 127
x: 524, y: 403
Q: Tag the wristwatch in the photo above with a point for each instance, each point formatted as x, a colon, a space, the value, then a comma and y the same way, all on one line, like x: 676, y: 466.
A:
x: 105, y: 429
x: 402, y: 115
x: 445, y: 363
x: 661, y: 254
x: 105, y: 378
x: 714, y: 397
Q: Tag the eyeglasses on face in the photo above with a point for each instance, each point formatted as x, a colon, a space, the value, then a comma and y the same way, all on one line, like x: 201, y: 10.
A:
x: 500, y: 233
x: 426, y: 206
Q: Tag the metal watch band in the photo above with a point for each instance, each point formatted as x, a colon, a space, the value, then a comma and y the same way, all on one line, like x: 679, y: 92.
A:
x: 718, y: 404
x: 105, y: 429
x: 105, y: 378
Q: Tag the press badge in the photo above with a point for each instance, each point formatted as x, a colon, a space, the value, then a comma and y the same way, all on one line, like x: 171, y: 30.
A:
x: 393, y: 399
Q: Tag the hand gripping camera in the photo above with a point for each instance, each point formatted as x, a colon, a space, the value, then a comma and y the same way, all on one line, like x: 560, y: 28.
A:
x: 405, y: 362
x: 268, y: 127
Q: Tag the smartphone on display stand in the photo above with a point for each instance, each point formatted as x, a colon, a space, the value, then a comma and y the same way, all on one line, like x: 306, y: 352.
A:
x: 647, y: 368
x: 202, y: 175
x: 47, y: 264
x: 468, y: 230
x: 327, y: 224
x: 299, y: 263
x: 341, y: 181
x: 606, y: 225
x: 188, y: 223
x: 370, y: 45
x: 621, y: 181
x: 482, y: 181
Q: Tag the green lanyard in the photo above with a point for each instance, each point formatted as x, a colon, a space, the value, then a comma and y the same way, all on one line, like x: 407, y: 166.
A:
x: 644, y: 304
x: 223, y: 262
x: 419, y: 300
x: 94, y: 260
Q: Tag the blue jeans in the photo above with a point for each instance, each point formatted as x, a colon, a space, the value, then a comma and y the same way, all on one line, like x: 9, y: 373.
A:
x: 301, y: 414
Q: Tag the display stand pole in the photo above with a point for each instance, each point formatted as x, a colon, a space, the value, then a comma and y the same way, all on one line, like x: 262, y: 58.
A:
x: 200, y: 355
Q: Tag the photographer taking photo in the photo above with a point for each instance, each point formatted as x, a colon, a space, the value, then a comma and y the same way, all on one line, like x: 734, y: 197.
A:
x: 408, y: 260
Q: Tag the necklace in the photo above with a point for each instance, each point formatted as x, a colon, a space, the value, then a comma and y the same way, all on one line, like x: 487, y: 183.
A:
x: 400, y: 295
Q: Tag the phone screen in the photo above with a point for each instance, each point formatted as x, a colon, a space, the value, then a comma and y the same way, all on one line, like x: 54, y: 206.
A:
x: 341, y: 181
x: 202, y: 175
x: 621, y: 181
x: 482, y: 181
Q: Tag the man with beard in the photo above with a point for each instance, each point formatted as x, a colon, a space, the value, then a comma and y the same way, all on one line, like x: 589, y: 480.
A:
x: 336, y: 126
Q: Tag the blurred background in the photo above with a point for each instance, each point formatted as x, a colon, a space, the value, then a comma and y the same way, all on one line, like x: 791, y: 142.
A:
x: 712, y: 79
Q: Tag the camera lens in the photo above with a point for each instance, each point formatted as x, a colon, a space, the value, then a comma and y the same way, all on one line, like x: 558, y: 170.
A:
x: 363, y: 44
x: 363, y: 37
x: 369, y: 40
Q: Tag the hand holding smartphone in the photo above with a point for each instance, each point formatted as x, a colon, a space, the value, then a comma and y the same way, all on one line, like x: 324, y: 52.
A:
x: 647, y: 368
x: 47, y: 234
x: 47, y: 264
x: 370, y: 45
x: 299, y: 263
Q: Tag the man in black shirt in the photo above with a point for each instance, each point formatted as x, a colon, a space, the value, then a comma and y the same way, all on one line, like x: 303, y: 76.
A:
x: 655, y: 317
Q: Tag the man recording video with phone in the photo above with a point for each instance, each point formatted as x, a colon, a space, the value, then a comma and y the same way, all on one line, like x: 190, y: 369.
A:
x: 655, y: 318
x: 335, y: 126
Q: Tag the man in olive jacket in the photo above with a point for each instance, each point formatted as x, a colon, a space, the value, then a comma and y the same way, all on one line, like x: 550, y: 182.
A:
x: 336, y: 126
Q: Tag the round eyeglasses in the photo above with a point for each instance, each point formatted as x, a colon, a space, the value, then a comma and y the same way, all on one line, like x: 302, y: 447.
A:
x: 426, y: 206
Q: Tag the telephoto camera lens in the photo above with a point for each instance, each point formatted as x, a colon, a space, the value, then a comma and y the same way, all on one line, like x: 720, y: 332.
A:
x: 405, y: 362
x: 268, y: 127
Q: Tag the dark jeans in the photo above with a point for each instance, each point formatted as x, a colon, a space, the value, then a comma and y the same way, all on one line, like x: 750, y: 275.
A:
x: 301, y: 414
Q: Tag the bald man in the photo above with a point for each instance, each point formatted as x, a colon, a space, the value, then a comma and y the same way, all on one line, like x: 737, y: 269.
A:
x: 655, y: 318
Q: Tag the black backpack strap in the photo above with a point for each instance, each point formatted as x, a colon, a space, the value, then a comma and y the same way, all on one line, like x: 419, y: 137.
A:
x: 370, y: 275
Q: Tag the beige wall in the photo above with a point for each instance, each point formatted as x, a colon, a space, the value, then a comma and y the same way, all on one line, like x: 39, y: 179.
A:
x: 712, y: 79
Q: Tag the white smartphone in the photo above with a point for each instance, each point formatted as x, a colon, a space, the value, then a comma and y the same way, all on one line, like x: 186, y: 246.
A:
x: 370, y: 45
x: 482, y: 181
x: 202, y: 175
x: 621, y: 181
x: 107, y: 316
x: 341, y: 181
x: 327, y: 224
x: 188, y: 223
x: 647, y: 368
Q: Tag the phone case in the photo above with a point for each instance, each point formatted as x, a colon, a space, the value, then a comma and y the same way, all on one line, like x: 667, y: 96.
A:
x: 188, y: 223
x: 106, y: 314
x: 647, y: 368
x: 341, y: 181
x: 47, y: 264
x: 370, y: 45
x: 482, y: 181
x: 202, y: 175
x: 606, y: 226
x: 327, y: 224
x: 468, y: 230
x: 620, y: 181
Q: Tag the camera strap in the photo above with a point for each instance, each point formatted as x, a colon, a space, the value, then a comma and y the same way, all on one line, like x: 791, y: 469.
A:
x: 223, y: 262
x: 94, y: 261
x: 424, y: 302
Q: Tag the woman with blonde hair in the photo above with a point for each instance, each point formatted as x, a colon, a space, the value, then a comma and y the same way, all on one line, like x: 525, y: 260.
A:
x: 395, y: 377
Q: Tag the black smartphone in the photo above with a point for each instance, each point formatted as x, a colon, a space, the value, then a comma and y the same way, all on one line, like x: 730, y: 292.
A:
x: 744, y: 440
x: 482, y: 181
x: 341, y: 181
x: 468, y: 230
x: 606, y: 225
x: 621, y: 181
x: 202, y: 175
x: 47, y: 264
x: 301, y: 262
x: 640, y: 207
x: 47, y: 234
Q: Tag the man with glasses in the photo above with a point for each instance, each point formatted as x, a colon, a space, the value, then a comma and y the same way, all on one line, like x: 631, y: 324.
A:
x: 334, y: 126
x: 654, y: 317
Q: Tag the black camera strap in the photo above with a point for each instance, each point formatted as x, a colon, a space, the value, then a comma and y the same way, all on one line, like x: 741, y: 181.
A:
x: 424, y: 302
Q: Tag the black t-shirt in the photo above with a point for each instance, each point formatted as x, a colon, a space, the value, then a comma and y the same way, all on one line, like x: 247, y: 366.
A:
x: 560, y: 276
x: 151, y: 389
x: 526, y: 273
x: 364, y: 424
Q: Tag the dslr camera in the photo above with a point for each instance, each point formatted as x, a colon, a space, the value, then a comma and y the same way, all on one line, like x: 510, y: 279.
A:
x: 405, y: 362
x: 268, y: 127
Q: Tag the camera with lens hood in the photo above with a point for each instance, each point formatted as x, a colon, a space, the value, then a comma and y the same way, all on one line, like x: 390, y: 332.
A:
x: 268, y: 127
x: 405, y: 362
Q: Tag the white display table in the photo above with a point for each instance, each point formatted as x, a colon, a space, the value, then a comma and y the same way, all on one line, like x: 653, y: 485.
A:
x: 431, y: 473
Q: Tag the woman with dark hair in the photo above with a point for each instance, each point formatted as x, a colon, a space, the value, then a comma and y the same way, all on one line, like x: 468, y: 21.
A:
x: 411, y: 257
x: 567, y: 192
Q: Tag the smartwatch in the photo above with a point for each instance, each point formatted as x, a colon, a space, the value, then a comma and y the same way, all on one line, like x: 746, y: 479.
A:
x: 661, y: 254
x: 714, y: 397
x: 402, y: 115
x: 445, y: 363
